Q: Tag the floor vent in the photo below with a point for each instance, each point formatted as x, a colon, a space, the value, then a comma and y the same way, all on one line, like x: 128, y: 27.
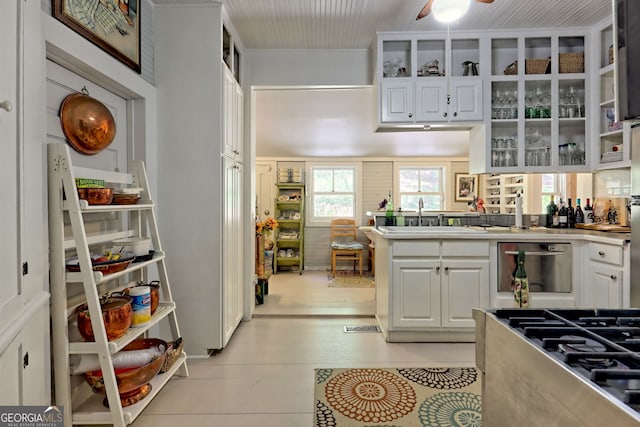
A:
x: 371, y: 328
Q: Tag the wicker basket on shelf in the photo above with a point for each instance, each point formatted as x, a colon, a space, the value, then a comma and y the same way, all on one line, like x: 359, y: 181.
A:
x: 572, y: 62
x: 538, y: 66
x: 173, y: 353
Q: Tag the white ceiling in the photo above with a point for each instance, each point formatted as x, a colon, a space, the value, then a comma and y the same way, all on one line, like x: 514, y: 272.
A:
x: 340, y: 123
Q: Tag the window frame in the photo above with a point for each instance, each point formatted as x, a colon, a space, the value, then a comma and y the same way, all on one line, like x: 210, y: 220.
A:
x: 397, y: 196
x: 310, y: 218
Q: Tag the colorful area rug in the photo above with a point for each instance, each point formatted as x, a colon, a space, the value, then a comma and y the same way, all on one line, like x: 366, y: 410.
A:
x: 401, y: 397
x: 350, y: 279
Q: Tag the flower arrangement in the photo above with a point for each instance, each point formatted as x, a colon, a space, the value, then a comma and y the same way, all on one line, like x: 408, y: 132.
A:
x: 265, y: 227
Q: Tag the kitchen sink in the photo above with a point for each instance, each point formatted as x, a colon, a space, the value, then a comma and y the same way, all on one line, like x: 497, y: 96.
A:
x: 431, y: 229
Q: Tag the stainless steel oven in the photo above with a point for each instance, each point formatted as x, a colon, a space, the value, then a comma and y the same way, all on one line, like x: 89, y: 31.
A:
x: 548, y: 265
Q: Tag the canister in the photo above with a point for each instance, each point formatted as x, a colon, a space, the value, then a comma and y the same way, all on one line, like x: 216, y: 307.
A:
x: 141, y: 305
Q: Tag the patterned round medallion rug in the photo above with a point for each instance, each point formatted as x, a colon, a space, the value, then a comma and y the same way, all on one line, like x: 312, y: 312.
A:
x: 398, y: 397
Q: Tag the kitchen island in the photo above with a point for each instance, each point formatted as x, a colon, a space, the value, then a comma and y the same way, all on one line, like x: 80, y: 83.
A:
x: 428, y: 279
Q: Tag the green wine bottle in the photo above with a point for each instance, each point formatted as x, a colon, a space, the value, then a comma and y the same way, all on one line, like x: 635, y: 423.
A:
x: 389, y: 216
x: 521, y: 285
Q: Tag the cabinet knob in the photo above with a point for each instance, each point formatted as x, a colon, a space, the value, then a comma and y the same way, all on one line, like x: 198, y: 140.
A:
x: 438, y: 268
x: 6, y: 105
x: 614, y: 277
x: 446, y: 269
x: 444, y: 114
x: 601, y: 253
x: 455, y: 114
x: 410, y: 115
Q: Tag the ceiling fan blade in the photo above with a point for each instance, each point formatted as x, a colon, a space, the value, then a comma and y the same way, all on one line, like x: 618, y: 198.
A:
x: 425, y: 10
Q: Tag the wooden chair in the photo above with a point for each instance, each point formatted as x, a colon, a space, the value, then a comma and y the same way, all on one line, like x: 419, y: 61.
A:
x: 343, y: 244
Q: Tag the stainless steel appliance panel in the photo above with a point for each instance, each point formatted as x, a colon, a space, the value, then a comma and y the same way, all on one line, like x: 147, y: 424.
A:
x: 635, y: 216
x: 548, y: 266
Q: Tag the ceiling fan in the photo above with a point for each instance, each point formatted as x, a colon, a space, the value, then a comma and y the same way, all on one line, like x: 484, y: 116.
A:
x: 427, y: 8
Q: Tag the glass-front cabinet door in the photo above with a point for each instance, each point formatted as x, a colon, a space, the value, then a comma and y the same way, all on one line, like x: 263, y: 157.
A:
x: 537, y: 97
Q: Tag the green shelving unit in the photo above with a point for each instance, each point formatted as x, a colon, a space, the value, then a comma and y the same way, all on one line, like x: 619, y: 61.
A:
x: 289, y: 244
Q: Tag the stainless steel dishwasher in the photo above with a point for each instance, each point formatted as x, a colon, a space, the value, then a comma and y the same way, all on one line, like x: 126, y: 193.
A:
x: 548, y: 266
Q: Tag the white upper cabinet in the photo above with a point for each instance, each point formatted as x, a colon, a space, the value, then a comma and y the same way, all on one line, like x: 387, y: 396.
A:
x: 612, y: 148
x: 537, y: 103
x: 415, y: 84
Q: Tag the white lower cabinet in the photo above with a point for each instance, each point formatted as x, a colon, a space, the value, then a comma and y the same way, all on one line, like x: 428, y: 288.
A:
x: 605, y: 276
x: 435, y: 284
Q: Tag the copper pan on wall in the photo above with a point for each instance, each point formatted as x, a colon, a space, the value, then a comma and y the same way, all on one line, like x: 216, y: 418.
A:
x: 87, y: 123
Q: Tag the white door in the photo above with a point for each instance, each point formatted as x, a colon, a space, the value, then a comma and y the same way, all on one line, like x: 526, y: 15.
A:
x: 431, y: 100
x: 415, y: 294
x: 62, y: 82
x: 397, y: 101
x: 466, y: 99
x: 9, y: 263
x: 465, y: 285
x: 265, y: 189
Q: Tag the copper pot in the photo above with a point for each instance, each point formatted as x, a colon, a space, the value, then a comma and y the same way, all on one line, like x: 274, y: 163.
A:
x: 117, y: 314
x: 87, y: 123
x: 132, y: 383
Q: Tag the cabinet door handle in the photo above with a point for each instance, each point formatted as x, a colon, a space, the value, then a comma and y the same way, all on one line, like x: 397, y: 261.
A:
x: 446, y: 269
x: 444, y: 114
x: 455, y: 114
x: 410, y: 115
x: 614, y: 277
x: 6, y: 105
x: 601, y: 253
x: 438, y: 268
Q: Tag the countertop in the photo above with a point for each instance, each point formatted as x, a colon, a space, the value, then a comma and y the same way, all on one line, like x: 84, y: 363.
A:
x: 504, y: 234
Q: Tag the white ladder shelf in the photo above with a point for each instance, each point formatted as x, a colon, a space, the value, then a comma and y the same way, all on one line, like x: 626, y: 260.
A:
x: 68, y: 217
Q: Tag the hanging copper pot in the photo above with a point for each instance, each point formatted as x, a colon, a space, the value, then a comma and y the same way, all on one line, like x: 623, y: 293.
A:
x: 87, y: 123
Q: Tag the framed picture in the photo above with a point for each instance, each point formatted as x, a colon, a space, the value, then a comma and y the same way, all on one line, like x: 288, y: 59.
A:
x: 112, y: 25
x: 466, y: 187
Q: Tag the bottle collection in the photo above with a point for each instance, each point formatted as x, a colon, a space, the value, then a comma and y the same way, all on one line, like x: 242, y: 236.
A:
x: 566, y: 216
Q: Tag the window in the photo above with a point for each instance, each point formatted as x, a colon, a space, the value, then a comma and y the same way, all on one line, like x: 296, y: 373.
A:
x: 420, y: 182
x: 552, y: 185
x: 332, y: 192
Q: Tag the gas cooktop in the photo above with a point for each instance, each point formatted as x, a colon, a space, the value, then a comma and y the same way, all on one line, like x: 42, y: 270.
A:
x: 601, y: 345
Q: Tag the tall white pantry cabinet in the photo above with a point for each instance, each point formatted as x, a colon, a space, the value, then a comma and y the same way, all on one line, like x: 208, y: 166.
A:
x: 24, y: 297
x: 197, y: 77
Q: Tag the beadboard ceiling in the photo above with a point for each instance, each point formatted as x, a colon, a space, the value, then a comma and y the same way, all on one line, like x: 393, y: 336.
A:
x: 294, y: 123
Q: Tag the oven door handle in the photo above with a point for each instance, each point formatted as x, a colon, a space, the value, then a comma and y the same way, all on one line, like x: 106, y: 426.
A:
x: 536, y: 253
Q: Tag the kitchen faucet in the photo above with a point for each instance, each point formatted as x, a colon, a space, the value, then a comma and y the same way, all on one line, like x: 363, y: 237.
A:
x: 420, y: 206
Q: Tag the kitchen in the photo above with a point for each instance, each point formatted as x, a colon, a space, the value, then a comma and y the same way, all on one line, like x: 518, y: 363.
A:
x: 75, y: 53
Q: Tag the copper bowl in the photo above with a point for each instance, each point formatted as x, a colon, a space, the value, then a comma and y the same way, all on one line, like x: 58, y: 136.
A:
x: 117, y: 314
x: 96, y: 196
x: 154, y: 290
x: 87, y: 123
x: 133, y: 383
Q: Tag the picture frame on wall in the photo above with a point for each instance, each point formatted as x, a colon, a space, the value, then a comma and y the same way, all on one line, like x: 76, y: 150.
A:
x: 112, y: 25
x: 466, y: 187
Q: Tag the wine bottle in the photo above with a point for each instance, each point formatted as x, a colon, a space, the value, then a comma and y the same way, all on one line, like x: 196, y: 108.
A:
x: 521, y: 283
x: 588, y: 213
x: 579, y: 213
x: 571, y: 215
x: 563, y: 216
x: 551, y: 207
x: 388, y: 216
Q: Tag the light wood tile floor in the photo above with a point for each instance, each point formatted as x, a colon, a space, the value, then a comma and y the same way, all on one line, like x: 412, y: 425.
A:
x: 265, y: 376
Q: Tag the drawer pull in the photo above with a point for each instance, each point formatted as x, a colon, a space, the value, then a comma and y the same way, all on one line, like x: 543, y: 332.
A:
x: 601, y: 253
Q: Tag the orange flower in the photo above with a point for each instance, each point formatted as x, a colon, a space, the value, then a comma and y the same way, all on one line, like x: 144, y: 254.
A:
x: 266, y: 226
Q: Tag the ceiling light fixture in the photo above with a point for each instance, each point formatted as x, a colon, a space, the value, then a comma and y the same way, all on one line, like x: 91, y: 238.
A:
x: 449, y: 10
